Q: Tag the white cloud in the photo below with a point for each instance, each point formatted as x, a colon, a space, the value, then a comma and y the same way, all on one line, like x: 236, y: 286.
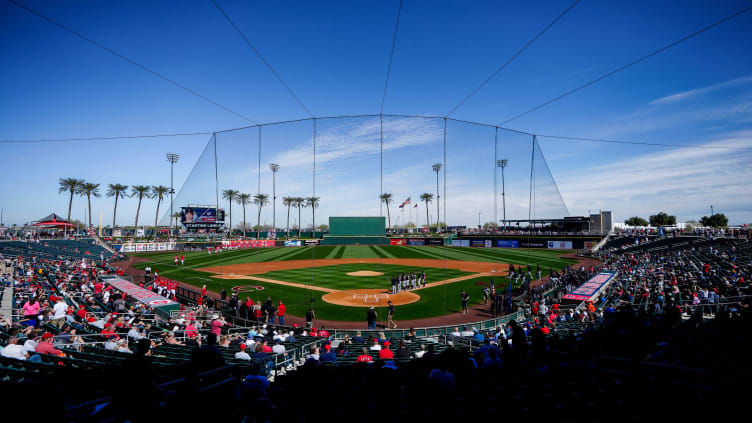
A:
x: 683, y: 182
x: 684, y: 95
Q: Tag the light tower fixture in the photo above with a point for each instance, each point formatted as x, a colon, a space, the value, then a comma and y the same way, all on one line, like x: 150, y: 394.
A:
x: 502, y: 163
x: 172, y: 158
x: 437, y: 168
x: 275, y: 168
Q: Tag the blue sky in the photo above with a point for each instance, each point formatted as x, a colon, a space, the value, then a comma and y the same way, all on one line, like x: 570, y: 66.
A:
x: 334, y: 56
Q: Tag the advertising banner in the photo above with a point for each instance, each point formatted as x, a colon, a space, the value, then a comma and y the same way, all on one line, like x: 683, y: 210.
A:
x: 144, y: 296
x: 416, y: 241
x: 296, y: 243
x: 588, y: 245
x: 460, y: 243
x: 503, y: 243
x: 310, y: 242
x: 590, y: 289
x: 435, y: 241
x: 533, y: 244
x: 488, y: 243
x: 192, y: 215
x: 477, y: 243
x: 397, y: 241
x: 560, y: 245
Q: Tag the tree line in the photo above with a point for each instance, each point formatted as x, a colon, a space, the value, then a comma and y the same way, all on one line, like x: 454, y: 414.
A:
x: 86, y: 189
x: 717, y: 220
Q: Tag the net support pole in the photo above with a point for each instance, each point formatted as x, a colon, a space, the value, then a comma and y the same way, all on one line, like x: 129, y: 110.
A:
x: 496, y: 185
x: 381, y: 164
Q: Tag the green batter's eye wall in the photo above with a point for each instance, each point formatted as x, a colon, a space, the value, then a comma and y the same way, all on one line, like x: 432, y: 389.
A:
x: 357, y: 226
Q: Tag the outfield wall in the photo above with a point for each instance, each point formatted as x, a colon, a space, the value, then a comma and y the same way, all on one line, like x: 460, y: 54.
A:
x: 354, y: 240
x: 558, y: 242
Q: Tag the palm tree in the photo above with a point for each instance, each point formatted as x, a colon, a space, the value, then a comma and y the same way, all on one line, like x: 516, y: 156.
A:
x: 313, y: 203
x: 427, y: 197
x: 288, y: 201
x: 299, y: 203
x: 387, y: 198
x: 117, y: 191
x: 139, y: 191
x: 260, y: 200
x: 230, y: 195
x: 158, y: 192
x: 87, y: 189
x: 71, y: 185
x: 244, y: 200
x: 176, y: 216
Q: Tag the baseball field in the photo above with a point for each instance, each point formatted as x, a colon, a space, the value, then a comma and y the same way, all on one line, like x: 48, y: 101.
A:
x: 340, y: 281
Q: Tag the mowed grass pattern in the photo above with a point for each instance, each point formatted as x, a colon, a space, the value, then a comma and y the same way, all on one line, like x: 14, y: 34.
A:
x: 336, y: 277
x: 434, y: 301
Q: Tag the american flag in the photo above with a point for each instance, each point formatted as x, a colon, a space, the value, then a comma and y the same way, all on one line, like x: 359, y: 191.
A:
x: 405, y: 202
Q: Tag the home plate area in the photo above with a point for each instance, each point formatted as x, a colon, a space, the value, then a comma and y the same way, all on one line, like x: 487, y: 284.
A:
x: 369, y: 297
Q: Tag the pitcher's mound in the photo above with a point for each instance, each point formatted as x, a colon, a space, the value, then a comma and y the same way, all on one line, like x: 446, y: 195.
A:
x: 365, y: 273
x: 370, y: 297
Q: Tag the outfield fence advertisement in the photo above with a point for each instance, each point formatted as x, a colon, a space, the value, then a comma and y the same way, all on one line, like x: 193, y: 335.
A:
x: 560, y: 245
x: 435, y: 241
x: 590, y: 290
x: 143, y: 247
x: 296, y: 243
x: 460, y: 243
x: 416, y: 241
x: 398, y: 241
x: 503, y: 243
x: 259, y: 243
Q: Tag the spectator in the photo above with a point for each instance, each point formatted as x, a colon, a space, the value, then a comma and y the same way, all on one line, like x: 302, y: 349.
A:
x: 13, y: 350
x: 242, y: 355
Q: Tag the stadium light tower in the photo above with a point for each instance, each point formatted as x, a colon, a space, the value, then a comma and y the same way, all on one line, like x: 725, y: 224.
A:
x: 502, y: 163
x: 437, y: 168
x: 275, y: 168
x: 172, y: 158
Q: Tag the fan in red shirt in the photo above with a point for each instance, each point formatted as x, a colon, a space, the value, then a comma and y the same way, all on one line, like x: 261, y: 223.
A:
x: 385, y: 353
x: 365, y: 357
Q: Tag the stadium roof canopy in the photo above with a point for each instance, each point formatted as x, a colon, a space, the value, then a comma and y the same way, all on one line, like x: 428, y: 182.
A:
x: 52, y: 221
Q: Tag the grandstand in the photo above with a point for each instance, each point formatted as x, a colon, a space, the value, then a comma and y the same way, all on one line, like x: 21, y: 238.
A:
x: 685, y: 288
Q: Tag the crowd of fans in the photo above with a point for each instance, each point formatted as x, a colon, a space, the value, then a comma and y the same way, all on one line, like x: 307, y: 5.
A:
x: 670, y: 315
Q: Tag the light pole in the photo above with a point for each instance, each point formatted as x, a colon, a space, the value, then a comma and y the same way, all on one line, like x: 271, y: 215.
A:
x: 172, y: 158
x: 275, y: 168
x: 437, y: 168
x: 502, y: 163
x: 479, y: 220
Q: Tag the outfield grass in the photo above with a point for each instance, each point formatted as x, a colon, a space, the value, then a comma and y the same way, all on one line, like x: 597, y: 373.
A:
x: 436, y: 301
x: 336, y: 277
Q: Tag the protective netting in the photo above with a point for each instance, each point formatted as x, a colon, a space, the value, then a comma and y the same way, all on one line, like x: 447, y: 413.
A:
x: 484, y: 174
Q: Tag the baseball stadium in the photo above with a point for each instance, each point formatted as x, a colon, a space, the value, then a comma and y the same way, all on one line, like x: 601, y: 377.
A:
x: 375, y: 212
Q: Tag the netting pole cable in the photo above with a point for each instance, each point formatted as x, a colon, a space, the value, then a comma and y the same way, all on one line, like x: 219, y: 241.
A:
x: 262, y: 58
x: 216, y: 190
x: 391, y: 56
x: 258, y: 189
x: 381, y: 163
x: 530, y: 201
x: 445, y: 172
x: 496, y: 185
x: 511, y: 59
x: 628, y: 65
x: 545, y: 163
x: 129, y: 60
x: 313, y: 233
